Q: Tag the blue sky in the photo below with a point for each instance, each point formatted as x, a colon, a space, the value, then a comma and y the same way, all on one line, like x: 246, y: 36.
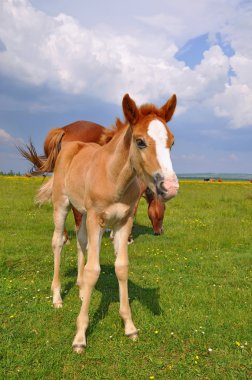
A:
x: 62, y: 61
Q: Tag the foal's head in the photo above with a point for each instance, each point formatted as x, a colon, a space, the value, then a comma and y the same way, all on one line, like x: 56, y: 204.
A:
x: 152, y: 142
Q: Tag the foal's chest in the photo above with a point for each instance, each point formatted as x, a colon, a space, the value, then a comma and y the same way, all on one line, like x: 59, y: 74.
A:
x: 115, y: 213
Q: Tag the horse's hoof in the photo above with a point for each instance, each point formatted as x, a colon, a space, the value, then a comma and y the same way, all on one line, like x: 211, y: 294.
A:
x: 79, y: 348
x: 58, y: 305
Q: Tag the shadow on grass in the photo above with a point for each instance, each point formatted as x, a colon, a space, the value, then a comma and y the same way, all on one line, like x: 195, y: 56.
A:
x: 136, y: 231
x: 141, y: 230
x: 107, y: 285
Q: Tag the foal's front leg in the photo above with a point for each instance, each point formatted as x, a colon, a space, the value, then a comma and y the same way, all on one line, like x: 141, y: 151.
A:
x: 91, y: 273
x: 121, y: 269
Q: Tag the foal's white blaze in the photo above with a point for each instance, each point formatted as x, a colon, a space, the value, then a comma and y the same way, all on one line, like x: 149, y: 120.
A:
x: 158, y: 132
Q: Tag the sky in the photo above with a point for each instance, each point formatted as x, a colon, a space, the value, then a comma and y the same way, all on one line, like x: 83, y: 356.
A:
x: 63, y: 61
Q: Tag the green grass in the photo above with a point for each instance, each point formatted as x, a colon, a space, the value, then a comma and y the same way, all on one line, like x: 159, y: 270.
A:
x: 190, y: 291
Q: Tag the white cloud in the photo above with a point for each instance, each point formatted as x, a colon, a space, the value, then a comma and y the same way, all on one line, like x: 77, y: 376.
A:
x: 63, y: 54
x: 242, y: 66
x: 235, y: 101
x: 183, y: 21
x: 235, y: 104
x: 5, y: 137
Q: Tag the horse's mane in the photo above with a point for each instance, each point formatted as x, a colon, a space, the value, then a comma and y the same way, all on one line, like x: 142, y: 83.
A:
x: 144, y: 110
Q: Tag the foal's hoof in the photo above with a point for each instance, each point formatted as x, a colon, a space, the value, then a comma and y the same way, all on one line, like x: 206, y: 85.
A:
x: 133, y: 336
x: 79, y: 348
x: 130, y: 240
x: 58, y: 305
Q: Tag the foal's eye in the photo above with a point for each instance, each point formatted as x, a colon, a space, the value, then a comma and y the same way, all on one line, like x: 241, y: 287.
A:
x: 141, y: 144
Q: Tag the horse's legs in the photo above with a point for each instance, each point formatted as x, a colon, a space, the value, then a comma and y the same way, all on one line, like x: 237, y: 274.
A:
x: 91, y: 273
x: 81, y: 234
x: 59, y: 215
x: 65, y: 237
x: 77, y: 219
x: 121, y: 269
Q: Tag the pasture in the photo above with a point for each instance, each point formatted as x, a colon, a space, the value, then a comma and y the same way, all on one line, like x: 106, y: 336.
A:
x: 190, y: 291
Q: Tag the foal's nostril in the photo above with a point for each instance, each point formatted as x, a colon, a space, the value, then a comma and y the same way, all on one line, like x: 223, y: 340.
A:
x: 162, y: 186
x: 158, y: 178
x: 161, y: 190
x: 159, y: 182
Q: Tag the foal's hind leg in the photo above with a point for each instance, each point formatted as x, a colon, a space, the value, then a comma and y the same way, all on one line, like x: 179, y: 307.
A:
x: 81, y: 233
x: 121, y: 269
x: 59, y: 215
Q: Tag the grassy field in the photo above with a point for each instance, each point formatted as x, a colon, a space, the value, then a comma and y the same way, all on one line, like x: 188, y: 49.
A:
x: 190, y: 292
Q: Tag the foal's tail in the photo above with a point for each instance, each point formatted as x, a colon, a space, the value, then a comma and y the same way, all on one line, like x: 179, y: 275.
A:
x: 44, y: 163
x: 45, y: 193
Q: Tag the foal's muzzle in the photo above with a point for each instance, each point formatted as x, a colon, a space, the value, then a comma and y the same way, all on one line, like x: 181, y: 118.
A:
x: 167, y: 188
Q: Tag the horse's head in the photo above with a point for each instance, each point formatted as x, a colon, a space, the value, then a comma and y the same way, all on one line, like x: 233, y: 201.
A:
x: 156, y: 210
x: 151, y: 143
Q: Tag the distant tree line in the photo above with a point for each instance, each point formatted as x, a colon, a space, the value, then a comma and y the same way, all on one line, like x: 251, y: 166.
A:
x: 10, y: 173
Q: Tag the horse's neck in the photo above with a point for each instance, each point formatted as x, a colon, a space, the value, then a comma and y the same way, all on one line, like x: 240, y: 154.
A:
x: 119, y: 165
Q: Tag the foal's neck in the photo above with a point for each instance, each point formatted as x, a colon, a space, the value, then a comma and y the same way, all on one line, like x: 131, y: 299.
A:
x: 120, y: 168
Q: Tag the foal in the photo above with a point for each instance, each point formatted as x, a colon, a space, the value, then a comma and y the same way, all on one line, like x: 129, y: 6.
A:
x: 86, y: 131
x: 101, y: 183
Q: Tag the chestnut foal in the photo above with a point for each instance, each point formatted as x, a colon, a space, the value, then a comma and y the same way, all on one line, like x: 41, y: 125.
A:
x: 101, y: 182
x: 86, y: 131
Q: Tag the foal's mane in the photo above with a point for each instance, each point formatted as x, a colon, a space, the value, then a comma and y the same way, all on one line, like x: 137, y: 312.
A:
x: 150, y: 109
x: 144, y: 110
x: 109, y: 133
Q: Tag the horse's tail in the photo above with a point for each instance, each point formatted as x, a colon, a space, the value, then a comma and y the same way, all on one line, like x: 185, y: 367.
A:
x: 45, y: 193
x: 30, y: 154
x: 44, y: 163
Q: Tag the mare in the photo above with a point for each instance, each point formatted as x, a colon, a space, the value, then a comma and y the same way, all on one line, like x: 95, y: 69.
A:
x: 101, y: 182
x: 86, y: 131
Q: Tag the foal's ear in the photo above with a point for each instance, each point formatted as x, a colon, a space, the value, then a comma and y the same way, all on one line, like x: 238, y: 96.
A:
x: 130, y: 109
x: 169, y: 108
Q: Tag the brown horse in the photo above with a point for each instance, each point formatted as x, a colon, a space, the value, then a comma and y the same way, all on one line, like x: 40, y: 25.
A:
x: 86, y: 131
x: 101, y: 182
